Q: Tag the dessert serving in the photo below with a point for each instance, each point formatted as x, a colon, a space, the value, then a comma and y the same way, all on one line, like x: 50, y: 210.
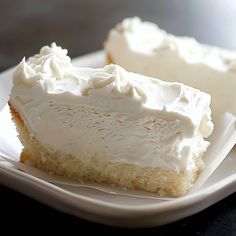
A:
x: 143, y: 48
x: 108, y: 125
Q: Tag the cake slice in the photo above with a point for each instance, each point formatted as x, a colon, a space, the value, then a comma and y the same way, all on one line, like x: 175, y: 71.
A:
x: 108, y: 125
x: 143, y: 48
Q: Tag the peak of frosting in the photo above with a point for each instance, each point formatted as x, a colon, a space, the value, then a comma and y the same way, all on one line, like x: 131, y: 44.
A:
x: 51, y: 63
x: 134, y: 25
x: 51, y: 60
x: 134, y: 28
x: 113, y: 80
x: 110, y: 74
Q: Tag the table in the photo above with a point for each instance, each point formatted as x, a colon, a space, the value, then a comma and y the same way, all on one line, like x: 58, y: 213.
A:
x: 81, y: 26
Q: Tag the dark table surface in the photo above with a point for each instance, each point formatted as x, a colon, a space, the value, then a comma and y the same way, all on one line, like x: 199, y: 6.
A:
x: 80, y: 26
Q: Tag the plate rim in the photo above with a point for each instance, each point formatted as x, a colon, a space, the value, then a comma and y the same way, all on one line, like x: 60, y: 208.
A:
x: 165, y: 205
x: 218, y: 188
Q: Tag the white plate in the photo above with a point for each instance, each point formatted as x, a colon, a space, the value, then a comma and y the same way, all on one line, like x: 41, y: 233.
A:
x: 106, y: 208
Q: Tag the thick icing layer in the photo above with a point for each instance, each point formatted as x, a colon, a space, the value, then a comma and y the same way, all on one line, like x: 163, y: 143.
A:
x: 175, y: 59
x: 109, y: 112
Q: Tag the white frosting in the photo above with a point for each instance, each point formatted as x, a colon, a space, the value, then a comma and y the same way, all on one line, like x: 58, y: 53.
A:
x: 143, y: 48
x: 109, y: 112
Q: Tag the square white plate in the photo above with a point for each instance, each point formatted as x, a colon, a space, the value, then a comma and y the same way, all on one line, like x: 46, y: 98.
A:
x: 103, y: 207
